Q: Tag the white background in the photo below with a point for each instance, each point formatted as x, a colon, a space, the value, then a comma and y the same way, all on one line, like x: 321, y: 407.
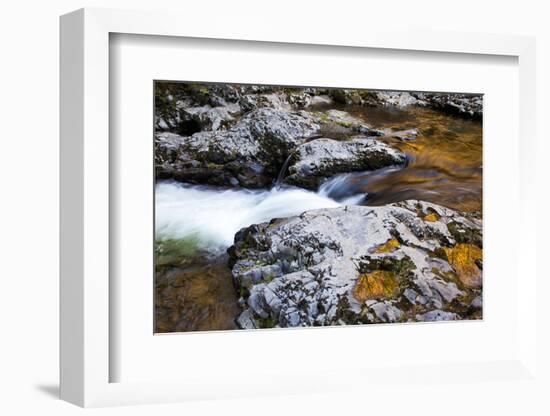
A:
x: 138, y: 60
x: 29, y: 159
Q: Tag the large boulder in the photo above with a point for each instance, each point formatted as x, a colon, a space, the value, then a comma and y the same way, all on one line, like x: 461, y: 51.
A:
x: 252, y: 151
x: 402, y: 262
x: 249, y: 154
x: 314, y: 161
x: 184, y: 108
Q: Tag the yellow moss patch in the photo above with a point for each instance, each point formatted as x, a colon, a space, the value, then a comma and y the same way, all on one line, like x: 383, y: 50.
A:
x: 388, y: 246
x: 463, y: 258
x: 433, y: 217
x: 376, y: 285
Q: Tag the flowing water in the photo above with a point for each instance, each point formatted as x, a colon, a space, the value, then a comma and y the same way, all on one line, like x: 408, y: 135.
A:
x: 282, y: 172
x: 212, y: 216
x: 444, y: 161
x: 194, y: 225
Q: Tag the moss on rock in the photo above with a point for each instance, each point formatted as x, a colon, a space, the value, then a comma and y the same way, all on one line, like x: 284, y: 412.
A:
x: 388, y: 246
x: 466, y: 235
x: 431, y: 217
x: 399, y: 266
x: 380, y: 284
x: 465, y: 259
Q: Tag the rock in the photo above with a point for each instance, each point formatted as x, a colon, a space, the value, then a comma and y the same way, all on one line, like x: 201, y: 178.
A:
x: 320, y: 100
x: 403, y: 135
x: 386, y: 312
x: 273, y: 100
x: 338, y: 124
x: 316, y: 160
x: 348, y: 97
x: 185, y: 109
x: 234, y: 135
x: 343, y: 118
x: 251, y: 151
x: 379, y: 284
x: 246, y: 321
x: 208, y: 118
x: 466, y: 105
x: 398, y: 99
x: 465, y: 260
x: 301, y: 98
x: 351, y: 265
x: 410, y: 295
x: 249, y: 154
x: 477, y: 303
x: 437, y: 315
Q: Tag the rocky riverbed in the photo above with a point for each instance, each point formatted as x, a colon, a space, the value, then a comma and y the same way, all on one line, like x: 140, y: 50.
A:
x: 284, y: 207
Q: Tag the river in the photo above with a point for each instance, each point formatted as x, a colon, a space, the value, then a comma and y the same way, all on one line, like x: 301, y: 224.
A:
x: 194, y: 224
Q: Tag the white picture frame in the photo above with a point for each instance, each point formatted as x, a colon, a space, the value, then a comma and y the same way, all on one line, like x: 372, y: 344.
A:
x: 85, y: 212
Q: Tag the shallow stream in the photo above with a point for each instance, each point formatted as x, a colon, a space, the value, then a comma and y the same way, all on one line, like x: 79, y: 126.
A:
x: 195, y: 224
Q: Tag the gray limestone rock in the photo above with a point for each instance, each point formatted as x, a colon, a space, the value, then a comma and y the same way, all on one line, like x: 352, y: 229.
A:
x: 321, y: 260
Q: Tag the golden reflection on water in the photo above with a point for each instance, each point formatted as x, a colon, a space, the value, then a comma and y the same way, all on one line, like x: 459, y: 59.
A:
x: 445, y: 160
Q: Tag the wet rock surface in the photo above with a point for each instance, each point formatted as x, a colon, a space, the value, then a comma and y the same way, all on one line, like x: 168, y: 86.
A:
x: 232, y: 135
x: 357, y: 264
x: 249, y: 154
x: 316, y: 160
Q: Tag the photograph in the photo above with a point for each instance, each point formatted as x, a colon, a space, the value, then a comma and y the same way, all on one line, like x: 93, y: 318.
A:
x: 294, y: 206
x: 222, y: 208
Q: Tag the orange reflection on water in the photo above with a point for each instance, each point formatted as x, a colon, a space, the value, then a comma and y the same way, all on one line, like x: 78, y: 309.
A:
x: 445, y: 160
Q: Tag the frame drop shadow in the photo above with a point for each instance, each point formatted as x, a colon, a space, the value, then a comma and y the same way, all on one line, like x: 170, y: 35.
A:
x: 51, y: 390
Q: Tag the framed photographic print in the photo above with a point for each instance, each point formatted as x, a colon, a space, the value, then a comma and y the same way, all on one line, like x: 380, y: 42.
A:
x: 281, y: 206
x: 289, y: 209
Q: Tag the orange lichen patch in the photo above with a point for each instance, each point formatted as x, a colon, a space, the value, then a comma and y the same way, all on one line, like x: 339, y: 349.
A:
x: 432, y: 217
x: 376, y: 285
x: 388, y: 246
x: 463, y: 258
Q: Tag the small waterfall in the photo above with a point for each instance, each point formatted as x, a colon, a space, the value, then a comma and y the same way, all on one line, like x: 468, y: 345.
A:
x: 281, y: 175
x: 284, y: 168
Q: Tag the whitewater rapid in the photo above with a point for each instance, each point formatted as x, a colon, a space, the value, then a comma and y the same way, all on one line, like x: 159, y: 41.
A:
x: 212, y: 216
